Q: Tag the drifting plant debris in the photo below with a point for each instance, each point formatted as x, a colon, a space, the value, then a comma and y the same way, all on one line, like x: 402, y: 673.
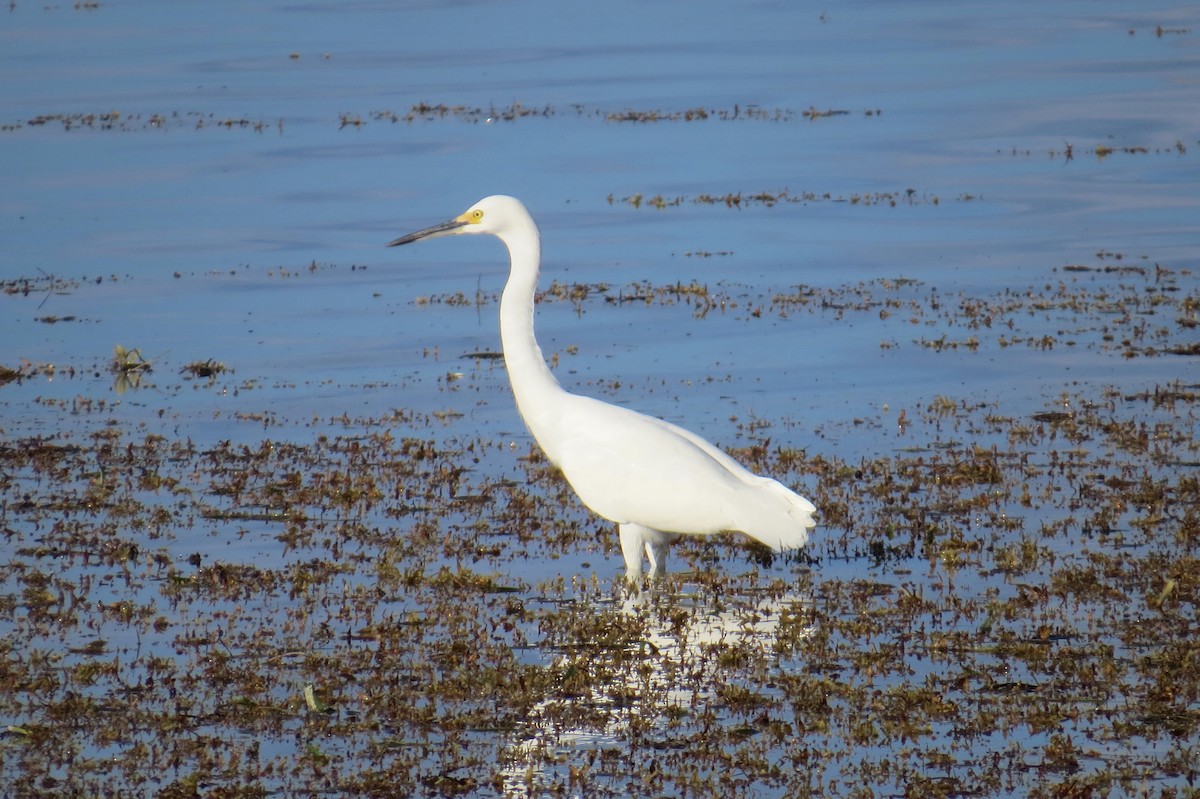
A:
x: 208, y: 369
x: 1103, y: 151
x: 128, y: 366
x: 43, y: 284
x: 1151, y: 311
x: 771, y: 198
x: 1006, y: 605
x: 439, y: 111
x: 116, y: 120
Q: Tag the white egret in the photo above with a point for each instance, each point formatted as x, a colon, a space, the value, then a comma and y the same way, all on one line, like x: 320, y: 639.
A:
x: 656, y: 480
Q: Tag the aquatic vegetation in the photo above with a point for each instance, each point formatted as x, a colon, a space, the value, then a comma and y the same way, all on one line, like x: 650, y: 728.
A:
x: 1002, y: 602
x: 128, y: 366
x: 207, y: 369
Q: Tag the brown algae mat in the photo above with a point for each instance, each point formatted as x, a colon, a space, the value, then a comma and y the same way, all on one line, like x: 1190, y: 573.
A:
x: 1004, y: 605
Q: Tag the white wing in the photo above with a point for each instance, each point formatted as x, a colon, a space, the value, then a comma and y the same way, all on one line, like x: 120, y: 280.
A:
x: 628, y: 467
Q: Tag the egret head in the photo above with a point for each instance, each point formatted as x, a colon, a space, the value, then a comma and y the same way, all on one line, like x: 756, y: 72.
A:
x: 495, y: 215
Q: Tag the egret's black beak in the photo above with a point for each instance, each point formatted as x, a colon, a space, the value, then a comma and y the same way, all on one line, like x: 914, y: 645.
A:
x: 444, y: 229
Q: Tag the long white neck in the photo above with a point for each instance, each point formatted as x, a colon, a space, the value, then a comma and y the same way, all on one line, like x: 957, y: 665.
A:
x: 536, y: 390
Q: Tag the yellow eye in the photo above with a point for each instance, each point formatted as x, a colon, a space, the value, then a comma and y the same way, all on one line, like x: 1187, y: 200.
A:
x: 476, y: 216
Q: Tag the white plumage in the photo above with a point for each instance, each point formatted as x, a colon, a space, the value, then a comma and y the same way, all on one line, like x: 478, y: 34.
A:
x: 656, y: 480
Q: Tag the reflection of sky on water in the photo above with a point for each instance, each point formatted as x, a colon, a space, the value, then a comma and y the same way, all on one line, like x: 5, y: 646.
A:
x: 202, y: 235
x: 958, y: 88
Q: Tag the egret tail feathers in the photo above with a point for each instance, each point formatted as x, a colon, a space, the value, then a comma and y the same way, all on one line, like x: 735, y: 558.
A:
x: 779, y: 518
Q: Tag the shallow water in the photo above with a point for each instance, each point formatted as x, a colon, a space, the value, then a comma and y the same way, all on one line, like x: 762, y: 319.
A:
x: 945, y: 253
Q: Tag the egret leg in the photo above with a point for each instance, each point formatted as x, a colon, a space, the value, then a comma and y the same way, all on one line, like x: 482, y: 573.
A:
x: 633, y: 544
x: 638, y: 541
x: 657, y: 546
